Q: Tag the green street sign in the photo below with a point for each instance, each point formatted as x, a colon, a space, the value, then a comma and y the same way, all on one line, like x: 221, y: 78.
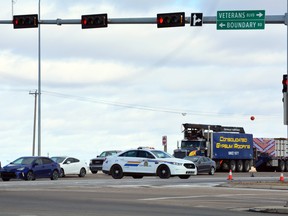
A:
x: 241, y: 20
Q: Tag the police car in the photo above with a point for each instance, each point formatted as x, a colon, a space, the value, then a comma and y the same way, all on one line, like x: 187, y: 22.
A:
x: 144, y: 162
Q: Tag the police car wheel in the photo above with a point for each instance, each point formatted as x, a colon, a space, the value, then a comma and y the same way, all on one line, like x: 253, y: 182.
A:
x: 164, y: 172
x: 116, y: 172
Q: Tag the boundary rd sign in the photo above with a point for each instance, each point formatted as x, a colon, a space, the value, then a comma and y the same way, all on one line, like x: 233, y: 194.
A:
x: 241, y: 20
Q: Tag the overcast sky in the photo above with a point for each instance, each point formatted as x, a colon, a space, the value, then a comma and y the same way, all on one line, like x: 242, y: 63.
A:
x: 126, y: 86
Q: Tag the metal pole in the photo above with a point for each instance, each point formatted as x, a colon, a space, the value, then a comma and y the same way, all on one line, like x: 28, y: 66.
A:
x: 12, y: 8
x: 39, y: 85
x: 34, y: 127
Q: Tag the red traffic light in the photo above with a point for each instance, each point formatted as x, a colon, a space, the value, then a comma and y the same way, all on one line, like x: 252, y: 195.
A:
x: 25, y: 21
x: 160, y: 20
x: 170, y: 20
x: 284, y: 83
x: 94, y: 21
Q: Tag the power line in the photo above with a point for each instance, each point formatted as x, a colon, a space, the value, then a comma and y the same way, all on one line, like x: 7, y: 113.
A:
x: 147, y: 108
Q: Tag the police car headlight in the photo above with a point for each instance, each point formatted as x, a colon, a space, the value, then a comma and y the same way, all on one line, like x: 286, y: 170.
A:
x: 177, y: 164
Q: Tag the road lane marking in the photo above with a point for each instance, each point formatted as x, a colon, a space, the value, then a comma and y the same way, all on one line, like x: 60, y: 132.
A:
x: 199, y: 196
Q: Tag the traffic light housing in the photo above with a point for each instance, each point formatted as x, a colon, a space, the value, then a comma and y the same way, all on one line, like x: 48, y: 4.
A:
x: 94, y: 21
x: 285, y: 83
x: 25, y: 21
x: 170, y: 20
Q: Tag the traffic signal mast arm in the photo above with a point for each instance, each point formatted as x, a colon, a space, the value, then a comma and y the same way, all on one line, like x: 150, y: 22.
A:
x: 272, y: 19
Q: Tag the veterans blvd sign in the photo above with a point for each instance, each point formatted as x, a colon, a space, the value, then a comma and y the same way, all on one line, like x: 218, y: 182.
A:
x: 240, y: 20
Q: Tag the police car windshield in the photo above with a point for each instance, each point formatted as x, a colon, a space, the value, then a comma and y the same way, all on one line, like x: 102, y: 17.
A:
x: 161, y: 154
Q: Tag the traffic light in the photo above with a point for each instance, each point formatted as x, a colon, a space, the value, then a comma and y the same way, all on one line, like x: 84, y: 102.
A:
x: 285, y: 83
x: 94, y: 21
x: 170, y: 20
x: 25, y: 21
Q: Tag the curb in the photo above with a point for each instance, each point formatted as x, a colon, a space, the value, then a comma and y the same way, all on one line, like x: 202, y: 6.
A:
x: 271, y: 209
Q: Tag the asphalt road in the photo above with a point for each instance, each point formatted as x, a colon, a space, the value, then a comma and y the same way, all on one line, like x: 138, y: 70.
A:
x: 101, y: 195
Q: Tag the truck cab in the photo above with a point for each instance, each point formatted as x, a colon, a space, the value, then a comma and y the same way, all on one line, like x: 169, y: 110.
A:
x: 191, y: 148
x: 230, y: 147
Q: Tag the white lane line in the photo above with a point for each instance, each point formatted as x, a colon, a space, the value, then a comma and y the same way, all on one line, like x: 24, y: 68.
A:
x: 199, y: 196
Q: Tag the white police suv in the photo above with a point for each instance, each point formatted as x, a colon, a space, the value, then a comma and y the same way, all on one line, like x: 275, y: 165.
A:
x: 143, y: 162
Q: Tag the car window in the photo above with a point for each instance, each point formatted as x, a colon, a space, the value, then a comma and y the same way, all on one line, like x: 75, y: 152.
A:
x: 205, y: 159
x: 145, y: 154
x: 103, y: 154
x: 46, y: 161
x: 38, y: 161
x: 23, y: 161
x: 58, y: 159
x: 132, y: 153
x: 108, y: 153
x: 69, y: 160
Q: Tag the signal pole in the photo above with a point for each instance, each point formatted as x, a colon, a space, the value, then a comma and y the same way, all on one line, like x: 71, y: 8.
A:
x: 286, y: 23
x: 39, y: 84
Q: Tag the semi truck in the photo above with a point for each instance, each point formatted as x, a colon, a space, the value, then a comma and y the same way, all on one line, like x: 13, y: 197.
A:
x: 230, y: 147
x: 233, y: 149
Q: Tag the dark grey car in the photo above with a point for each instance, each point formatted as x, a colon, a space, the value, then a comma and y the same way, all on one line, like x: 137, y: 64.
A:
x: 96, y: 163
x: 203, y: 164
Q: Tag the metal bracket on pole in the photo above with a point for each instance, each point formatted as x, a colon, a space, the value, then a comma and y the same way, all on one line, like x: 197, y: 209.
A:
x: 58, y: 21
x: 286, y: 19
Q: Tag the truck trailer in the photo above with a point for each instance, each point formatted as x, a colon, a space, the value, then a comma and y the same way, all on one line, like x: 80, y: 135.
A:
x: 271, y: 154
x: 230, y: 147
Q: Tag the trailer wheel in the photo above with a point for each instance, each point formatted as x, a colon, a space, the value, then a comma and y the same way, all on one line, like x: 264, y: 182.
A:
x: 247, y: 166
x: 281, y: 166
x: 225, y: 166
x: 218, y: 165
x: 232, y: 165
x: 239, y: 166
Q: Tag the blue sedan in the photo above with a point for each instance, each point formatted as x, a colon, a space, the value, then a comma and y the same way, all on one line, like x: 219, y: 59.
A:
x: 30, y: 168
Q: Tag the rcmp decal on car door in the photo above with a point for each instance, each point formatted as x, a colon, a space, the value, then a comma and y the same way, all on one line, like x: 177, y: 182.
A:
x: 144, y: 163
x: 132, y: 163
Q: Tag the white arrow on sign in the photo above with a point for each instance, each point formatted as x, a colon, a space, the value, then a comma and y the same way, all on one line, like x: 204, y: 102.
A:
x: 222, y: 25
x: 195, y: 20
x: 260, y: 14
